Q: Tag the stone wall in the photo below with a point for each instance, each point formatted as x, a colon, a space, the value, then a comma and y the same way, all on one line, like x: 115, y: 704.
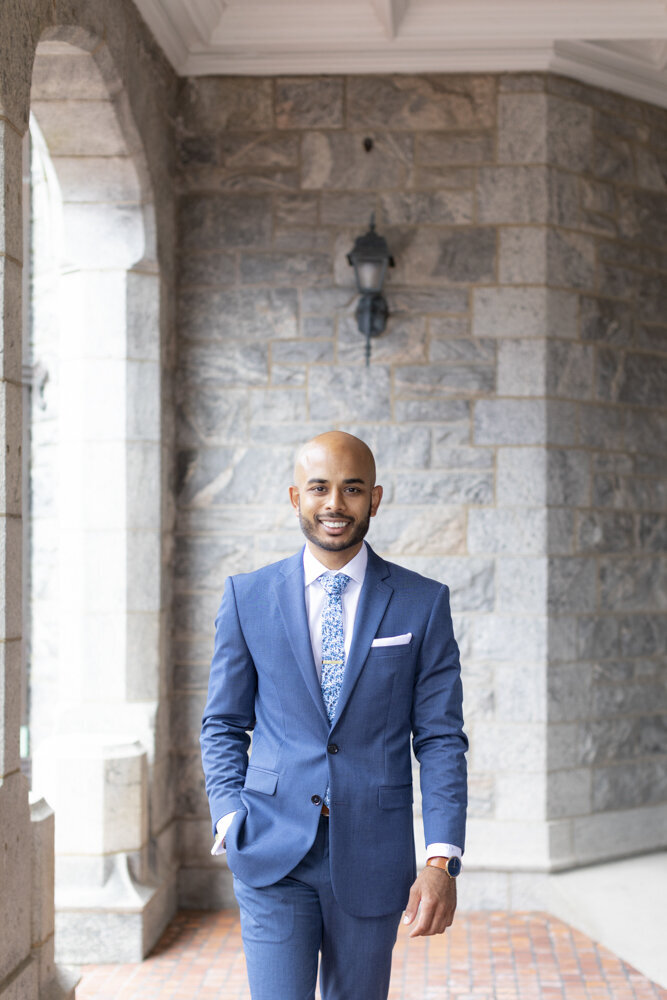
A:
x: 502, y: 403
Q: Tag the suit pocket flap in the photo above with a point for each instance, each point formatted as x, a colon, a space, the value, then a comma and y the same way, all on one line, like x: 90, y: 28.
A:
x: 395, y: 796
x: 259, y: 780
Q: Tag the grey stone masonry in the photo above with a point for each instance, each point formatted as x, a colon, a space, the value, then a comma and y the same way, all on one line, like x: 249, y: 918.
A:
x: 515, y: 404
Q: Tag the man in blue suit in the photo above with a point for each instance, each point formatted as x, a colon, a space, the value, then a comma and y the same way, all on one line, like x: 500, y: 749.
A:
x: 334, y: 659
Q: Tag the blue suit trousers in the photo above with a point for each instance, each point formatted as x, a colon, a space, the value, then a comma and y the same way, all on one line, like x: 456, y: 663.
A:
x: 287, y: 925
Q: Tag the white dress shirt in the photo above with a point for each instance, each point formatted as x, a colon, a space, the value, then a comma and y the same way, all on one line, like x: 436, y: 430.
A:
x: 315, y: 597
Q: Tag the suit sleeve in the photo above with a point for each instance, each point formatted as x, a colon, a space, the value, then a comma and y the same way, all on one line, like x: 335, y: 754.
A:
x: 229, y: 712
x: 439, y: 741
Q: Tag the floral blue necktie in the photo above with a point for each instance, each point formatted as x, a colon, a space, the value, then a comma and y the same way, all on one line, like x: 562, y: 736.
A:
x: 333, y: 643
x: 333, y: 640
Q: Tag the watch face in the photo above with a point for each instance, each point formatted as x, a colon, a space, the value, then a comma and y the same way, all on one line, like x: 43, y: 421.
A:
x: 454, y: 867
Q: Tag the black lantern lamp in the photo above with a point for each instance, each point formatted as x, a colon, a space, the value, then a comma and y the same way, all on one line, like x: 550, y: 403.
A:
x: 370, y: 259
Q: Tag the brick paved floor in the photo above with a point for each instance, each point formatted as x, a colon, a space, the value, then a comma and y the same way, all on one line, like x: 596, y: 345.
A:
x: 484, y: 956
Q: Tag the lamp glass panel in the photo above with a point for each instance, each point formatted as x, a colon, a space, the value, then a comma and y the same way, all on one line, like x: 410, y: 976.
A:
x: 370, y: 274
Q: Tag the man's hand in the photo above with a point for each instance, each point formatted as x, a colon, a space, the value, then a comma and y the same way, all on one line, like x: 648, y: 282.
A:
x: 436, y: 892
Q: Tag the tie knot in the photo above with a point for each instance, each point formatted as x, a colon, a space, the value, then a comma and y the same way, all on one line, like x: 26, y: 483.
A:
x: 334, y: 583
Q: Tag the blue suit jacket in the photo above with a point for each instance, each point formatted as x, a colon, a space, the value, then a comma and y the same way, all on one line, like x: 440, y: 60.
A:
x: 263, y: 678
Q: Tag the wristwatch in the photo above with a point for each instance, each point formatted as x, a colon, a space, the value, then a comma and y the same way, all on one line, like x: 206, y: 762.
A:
x: 451, y: 865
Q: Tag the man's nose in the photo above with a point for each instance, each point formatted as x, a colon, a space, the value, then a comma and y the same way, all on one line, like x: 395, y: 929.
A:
x: 336, y: 499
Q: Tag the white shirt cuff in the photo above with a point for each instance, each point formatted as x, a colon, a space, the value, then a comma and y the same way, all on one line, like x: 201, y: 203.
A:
x: 443, y: 851
x: 221, y: 827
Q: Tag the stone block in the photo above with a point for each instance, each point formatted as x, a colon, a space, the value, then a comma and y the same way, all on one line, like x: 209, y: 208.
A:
x: 349, y: 393
x: 522, y: 368
x: 520, y: 796
x: 518, y: 531
x: 400, y: 447
x: 143, y: 411
x: 569, y: 370
x: 424, y: 102
x: 523, y: 312
x: 143, y: 647
x: 309, y: 102
x: 516, y: 194
x: 245, y: 315
x: 572, y: 585
x: 206, y: 888
x: 143, y: 570
x: 212, y: 104
x: 607, y: 320
x: 633, y: 583
x: 224, y: 221
x: 441, y: 530
x: 417, y: 208
x: 10, y: 448
x: 510, y: 639
x: 276, y: 406
x: 629, y: 785
x: 288, y: 377
x: 646, y: 431
x: 509, y: 421
x: 522, y: 259
x: 211, y: 416
x: 435, y: 149
x: 481, y: 789
x: 11, y: 547
x: 11, y: 295
x: 10, y: 705
x: 268, y: 150
x: 446, y: 347
x: 560, y: 531
x: 444, y: 255
x: 43, y: 871
x: 569, y: 134
x: 214, y: 268
x: 447, y: 457
x: 612, y: 159
x: 80, y: 128
x: 347, y: 208
x: 602, y: 426
x: 501, y: 744
x: 224, y: 475
x: 338, y: 161
x: 569, y: 692
x: 522, y: 128
x: 431, y: 301
x: 601, y: 531
x: 467, y: 487
x: 569, y: 793
x: 642, y: 216
x: 571, y: 259
x: 521, y: 585
x: 568, y: 474
x: 403, y: 341
x: 447, y: 379
x: 521, y: 474
x: 563, y: 749
x: 452, y: 414
x: 652, y: 532
x: 302, y: 352
x: 444, y: 179
x: 285, y: 268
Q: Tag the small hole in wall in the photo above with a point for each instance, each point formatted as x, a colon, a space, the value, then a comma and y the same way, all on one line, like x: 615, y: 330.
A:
x: 368, y: 144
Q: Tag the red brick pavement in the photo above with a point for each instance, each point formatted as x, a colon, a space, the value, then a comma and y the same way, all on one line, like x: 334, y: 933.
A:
x: 484, y: 956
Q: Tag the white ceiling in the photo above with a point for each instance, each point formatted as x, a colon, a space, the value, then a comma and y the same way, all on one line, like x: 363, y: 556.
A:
x: 621, y: 44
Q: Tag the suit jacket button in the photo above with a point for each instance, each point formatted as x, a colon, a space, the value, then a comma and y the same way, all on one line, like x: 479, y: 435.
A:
x: 316, y: 800
x: 333, y: 748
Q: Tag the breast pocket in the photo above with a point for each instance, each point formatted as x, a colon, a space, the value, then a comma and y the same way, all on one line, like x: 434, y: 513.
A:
x: 386, y: 652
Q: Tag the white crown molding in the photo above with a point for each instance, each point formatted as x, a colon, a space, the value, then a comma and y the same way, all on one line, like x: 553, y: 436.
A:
x: 286, y: 37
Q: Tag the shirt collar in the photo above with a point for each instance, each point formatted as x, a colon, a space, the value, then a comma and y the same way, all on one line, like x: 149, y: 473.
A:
x: 355, y: 568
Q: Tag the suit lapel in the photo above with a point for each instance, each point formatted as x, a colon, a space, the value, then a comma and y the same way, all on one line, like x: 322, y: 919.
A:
x: 292, y: 603
x: 373, y: 601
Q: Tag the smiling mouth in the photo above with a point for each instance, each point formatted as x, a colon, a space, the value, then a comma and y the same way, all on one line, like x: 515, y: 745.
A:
x: 332, y: 524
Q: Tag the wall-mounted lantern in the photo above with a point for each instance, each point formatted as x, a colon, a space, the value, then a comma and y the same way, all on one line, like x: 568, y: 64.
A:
x: 370, y: 259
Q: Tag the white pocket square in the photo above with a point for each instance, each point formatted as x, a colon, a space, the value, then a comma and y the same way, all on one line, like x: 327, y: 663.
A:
x: 393, y: 640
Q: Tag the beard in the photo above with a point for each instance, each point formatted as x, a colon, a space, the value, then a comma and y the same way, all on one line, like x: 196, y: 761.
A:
x: 309, y: 528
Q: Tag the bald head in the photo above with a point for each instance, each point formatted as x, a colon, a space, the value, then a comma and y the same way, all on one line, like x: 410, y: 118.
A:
x: 338, y: 446
x: 334, y: 495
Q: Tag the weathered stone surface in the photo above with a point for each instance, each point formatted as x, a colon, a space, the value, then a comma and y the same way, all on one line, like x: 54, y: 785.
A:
x: 600, y: 531
x: 633, y: 584
x: 212, y: 269
x: 646, y: 431
x: 403, y: 341
x: 628, y: 786
x: 642, y: 216
x: 513, y: 194
x: 223, y: 221
x: 612, y: 159
x: 601, y: 426
x: 442, y: 531
x: 635, y: 378
x: 569, y: 370
x: 430, y: 300
x: 338, y: 160
x: 277, y: 406
x: 444, y: 179
x: 452, y: 412
x: 301, y: 352
x: 456, y: 379
x: 448, y: 255
x: 653, y: 532
x: 518, y: 531
x: 522, y: 128
x: 436, y: 149
x: 249, y: 315
x: 455, y: 207
x: 570, y: 259
x: 286, y: 268
x: 296, y: 209
x: 214, y: 103
x: 466, y: 487
x: 447, y: 457
x: 568, y: 477
x: 237, y: 180
x: 349, y: 393
x: 446, y: 348
x: 309, y: 103
x: 523, y: 255
x: 651, y: 298
x: 523, y: 312
x: 341, y: 208
x: 521, y: 584
x: 569, y: 134
x: 266, y: 149
x: 606, y: 320
x: 522, y: 368
x: 211, y: 415
x: 572, y: 585
x: 224, y: 475
x: 421, y: 102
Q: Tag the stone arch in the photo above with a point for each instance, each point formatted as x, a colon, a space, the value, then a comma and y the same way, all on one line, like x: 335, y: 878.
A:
x: 95, y: 569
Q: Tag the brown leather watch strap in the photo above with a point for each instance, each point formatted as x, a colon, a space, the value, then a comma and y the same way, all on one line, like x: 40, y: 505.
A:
x: 439, y: 863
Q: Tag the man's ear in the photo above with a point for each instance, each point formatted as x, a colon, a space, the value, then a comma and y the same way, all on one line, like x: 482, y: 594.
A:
x: 376, y: 496
x: 294, y: 497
